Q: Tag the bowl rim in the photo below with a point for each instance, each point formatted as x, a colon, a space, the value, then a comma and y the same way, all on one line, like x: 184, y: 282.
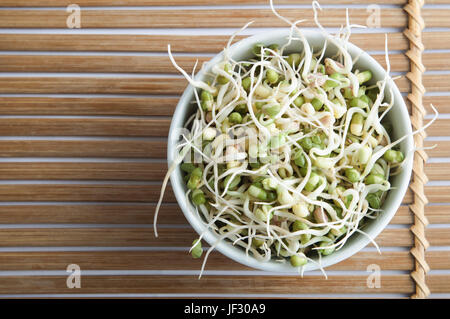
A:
x: 236, y: 253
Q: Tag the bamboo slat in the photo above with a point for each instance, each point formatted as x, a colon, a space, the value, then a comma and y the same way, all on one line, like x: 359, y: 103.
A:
x: 432, y: 61
x: 124, y: 192
x: 130, y: 171
x: 168, y: 237
x: 84, y: 127
x: 110, y: 203
x: 108, y: 64
x: 433, y: 82
x: 441, y: 148
x: 88, y: 148
x: 135, y: 106
x: 438, y: 259
x: 441, y: 103
x: 208, y: 285
x: 147, y: 85
x: 99, y: 213
x: 127, y: 192
x: 226, y: 18
x: 159, y: 64
x: 101, y: 85
x: 87, y: 3
x: 437, y: 214
x: 438, y: 236
x: 223, y: 18
x: 440, y: 127
x: 122, y: 43
x: 122, y: 148
x: 136, y: 213
x: 435, y: 40
x: 438, y: 171
x: 154, y: 260
x: 106, y: 85
x: 437, y: 194
x: 164, y: 85
x: 179, y: 43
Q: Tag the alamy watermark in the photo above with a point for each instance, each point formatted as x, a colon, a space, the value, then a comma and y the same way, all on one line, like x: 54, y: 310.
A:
x: 74, y: 278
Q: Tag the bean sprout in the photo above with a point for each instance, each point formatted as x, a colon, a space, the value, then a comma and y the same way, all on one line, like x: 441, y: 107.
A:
x: 294, y: 155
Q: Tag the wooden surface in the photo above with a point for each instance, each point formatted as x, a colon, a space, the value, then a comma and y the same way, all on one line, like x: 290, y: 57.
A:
x: 84, y: 116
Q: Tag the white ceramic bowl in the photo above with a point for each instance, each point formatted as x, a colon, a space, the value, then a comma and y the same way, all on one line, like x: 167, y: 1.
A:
x: 398, y: 116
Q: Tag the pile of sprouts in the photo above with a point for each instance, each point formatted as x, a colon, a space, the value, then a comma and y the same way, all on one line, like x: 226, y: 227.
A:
x: 287, y: 154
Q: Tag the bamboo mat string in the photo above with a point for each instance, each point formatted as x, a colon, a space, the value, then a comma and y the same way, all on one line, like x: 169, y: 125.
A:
x: 419, y: 179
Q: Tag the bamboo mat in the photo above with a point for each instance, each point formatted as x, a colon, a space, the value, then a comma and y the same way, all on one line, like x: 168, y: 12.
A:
x: 84, y: 116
